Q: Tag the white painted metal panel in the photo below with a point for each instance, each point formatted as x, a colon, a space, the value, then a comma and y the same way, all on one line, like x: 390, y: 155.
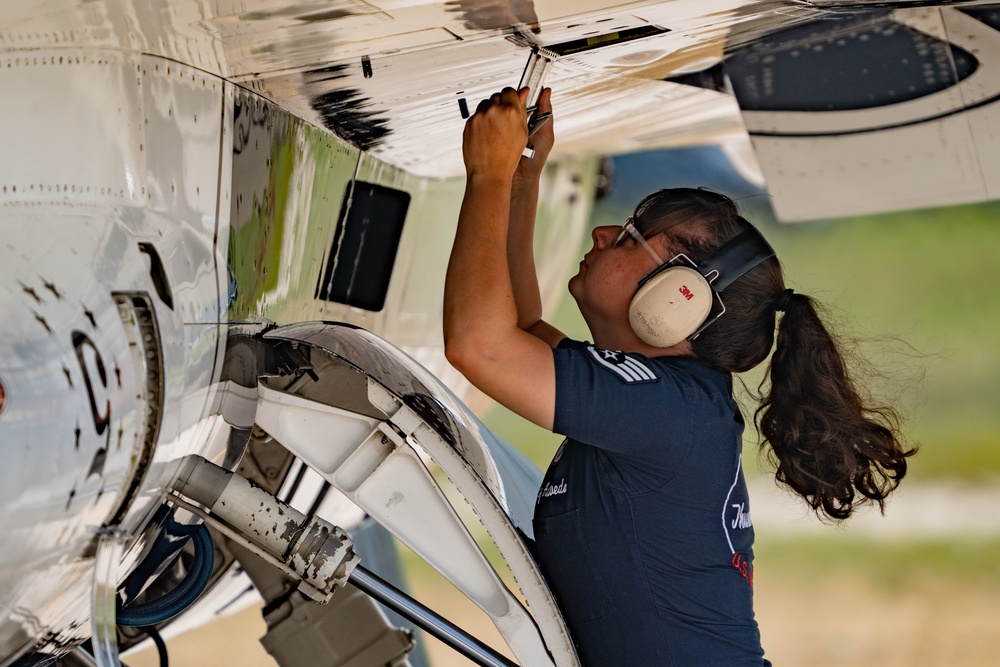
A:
x: 935, y: 150
x: 112, y: 191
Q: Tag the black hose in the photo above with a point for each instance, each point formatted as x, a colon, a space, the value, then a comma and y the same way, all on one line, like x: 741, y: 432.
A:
x: 161, y: 646
x: 183, y: 595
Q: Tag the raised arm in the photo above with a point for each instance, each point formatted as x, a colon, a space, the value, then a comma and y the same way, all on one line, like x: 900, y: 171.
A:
x: 521, y: 234
x: 481, y: 333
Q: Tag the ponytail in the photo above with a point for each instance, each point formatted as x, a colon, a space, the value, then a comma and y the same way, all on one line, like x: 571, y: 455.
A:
x: 825, y: 441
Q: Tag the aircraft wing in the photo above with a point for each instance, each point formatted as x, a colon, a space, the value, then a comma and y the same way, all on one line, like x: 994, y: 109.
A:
x: 867, y: 110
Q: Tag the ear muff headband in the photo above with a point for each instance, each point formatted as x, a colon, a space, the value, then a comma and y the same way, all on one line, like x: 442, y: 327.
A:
x: 674, y: 301
x: 737, y: 256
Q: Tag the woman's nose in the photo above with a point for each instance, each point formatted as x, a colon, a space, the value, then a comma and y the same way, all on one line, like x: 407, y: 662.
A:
x: 604, y: 235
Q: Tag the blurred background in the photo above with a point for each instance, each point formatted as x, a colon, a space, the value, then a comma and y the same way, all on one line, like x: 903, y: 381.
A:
x: 917, y: 586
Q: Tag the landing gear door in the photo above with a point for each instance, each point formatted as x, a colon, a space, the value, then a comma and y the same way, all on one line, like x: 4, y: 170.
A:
x: 366, y: 416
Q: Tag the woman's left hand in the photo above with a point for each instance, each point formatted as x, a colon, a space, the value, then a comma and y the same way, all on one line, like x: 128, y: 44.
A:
x: 541, y: 141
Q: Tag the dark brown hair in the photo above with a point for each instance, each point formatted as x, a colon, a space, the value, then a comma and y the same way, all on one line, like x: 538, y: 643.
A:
x: 825, y: 440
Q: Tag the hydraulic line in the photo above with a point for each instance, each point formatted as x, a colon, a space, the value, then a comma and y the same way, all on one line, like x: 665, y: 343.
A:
x: 319, y: 553
x: 183, y: 595
x: 161, y: 646
x: 431, y: 622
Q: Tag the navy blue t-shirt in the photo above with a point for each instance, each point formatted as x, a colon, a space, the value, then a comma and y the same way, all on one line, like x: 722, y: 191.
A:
x: 642, y: 525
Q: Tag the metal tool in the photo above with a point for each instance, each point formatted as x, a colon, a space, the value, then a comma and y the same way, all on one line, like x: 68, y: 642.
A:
x: 539, y: 61
x: 536, y: 124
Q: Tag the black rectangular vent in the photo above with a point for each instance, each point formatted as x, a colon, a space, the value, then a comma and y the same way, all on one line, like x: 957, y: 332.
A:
x: 364, y: 246
x: 607, y: 39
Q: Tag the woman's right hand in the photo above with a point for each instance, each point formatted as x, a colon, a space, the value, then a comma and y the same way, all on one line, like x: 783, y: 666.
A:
x: 496, y: 135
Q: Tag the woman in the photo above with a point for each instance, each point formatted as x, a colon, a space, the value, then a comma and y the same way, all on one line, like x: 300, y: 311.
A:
x: 643, y: 525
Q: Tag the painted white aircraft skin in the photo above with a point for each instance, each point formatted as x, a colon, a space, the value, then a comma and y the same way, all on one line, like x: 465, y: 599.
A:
x: 172, y: 172
x: 934, y: 150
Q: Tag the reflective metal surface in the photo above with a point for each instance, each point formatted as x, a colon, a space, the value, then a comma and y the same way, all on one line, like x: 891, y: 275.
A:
x: 174, y: 173
x: 110, y: 296
x: 391, y: 77
x: 104, y: 631
x: 349, y: 66
x: 289, y: 185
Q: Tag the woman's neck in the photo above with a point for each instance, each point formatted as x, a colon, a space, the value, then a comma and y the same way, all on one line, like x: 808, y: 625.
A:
x: 629, y: 342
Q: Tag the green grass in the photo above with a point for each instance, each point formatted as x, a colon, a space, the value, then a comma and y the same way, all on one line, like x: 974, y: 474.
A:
x: 883, y: 564
x: 920, y: 285
x: 535, y: 442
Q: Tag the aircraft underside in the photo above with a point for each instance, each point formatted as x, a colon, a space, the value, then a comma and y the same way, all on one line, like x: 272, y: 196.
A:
x: 224, y: 231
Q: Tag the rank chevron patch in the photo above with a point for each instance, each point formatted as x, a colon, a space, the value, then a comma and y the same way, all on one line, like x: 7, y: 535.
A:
x: 628, y: 369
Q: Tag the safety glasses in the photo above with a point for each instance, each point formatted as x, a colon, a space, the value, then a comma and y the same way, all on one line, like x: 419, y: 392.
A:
x: 629, y: 229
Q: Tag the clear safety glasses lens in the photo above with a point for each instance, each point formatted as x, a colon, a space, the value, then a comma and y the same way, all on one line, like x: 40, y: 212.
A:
x: 629, y: 229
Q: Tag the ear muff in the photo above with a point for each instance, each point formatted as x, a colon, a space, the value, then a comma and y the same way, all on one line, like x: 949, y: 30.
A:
x: 674, y: 301
x: 670, y: 306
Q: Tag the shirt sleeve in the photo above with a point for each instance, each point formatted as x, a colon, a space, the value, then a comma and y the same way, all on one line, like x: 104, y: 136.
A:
x: 631, y: 406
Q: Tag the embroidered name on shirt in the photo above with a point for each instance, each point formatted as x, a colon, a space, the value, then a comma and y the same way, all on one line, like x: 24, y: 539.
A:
x: 553, y: 489
x: 628, y: 369
x: 742, y: 519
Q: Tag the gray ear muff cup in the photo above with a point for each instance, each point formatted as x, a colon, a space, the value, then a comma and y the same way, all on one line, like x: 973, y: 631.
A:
x: 670, y: 307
